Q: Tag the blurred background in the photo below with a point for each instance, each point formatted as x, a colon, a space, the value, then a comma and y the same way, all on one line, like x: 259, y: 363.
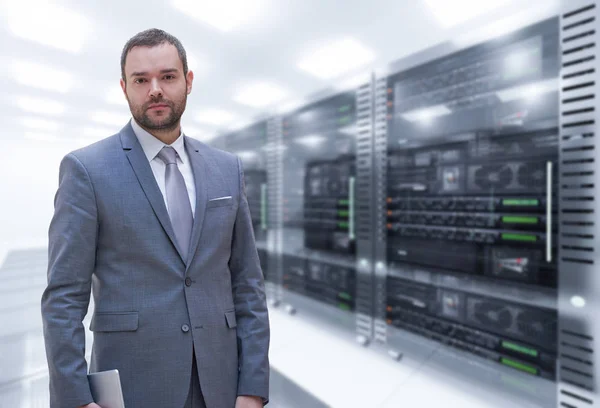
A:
x: 421, y: 176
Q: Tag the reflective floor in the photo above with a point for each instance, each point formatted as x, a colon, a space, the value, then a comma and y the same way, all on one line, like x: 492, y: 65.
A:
x: 23, y: 371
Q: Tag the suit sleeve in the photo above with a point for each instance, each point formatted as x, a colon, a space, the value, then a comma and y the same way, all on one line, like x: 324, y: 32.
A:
x: 253, y: 332
x: 71, y: 259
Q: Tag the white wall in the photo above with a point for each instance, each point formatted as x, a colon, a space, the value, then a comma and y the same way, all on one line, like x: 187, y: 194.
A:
x: 28, y: 183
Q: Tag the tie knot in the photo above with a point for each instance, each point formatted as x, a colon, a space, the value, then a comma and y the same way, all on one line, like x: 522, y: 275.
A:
x: 168, y: 155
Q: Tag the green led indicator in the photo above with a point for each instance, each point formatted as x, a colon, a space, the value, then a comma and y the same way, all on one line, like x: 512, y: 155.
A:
x: 343, y: 224
x: 520, y: 203
x: 519, y: 237
x: 520, y: 349
x: 520, y: 220
x: 343, y: 213
x: 344, y: 202
x: 344, y: 108
x: 343, y: 306
x: 345, y: 119
x: 345, y: 295
x: 519, y: 366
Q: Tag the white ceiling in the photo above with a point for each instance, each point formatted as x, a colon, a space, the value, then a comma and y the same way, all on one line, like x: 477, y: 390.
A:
x: 265, y: 49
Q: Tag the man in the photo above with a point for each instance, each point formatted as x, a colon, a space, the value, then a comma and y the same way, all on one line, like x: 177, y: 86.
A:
x: 156, y: 225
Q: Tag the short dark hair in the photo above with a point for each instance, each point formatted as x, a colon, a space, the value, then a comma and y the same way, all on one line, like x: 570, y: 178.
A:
x: 151, y: 38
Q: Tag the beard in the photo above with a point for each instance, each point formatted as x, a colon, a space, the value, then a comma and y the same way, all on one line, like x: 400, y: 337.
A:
x: 167, y: 121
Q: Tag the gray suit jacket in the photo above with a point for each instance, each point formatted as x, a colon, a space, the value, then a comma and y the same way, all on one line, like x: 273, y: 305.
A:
x: 111, y: 235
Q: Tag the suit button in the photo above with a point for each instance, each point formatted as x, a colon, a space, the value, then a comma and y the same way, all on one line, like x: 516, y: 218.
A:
x: 188, y: 281
x: 185, y: 328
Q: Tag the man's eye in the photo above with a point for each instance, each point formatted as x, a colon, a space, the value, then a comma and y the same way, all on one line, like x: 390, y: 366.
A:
x: 139, y: 80
x: 169, y: 77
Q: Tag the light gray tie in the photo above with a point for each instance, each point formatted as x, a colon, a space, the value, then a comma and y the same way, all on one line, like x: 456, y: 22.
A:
x: 180, y: 210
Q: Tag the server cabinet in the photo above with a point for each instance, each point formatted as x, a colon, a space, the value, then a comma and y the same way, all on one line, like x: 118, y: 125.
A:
x: 325, y: 192
x: 467, y: 150
x: 254, y: 145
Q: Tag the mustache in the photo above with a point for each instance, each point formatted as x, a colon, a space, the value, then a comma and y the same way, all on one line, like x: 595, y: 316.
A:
x: 158, y: 101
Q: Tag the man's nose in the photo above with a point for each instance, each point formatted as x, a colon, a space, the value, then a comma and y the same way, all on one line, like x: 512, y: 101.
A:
x: 155, y: 89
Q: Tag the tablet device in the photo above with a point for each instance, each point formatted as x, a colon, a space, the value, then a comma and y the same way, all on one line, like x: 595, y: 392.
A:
x: 106, y: 389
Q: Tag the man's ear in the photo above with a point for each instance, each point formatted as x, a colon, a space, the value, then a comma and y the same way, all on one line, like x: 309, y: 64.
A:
x: 189, y: 79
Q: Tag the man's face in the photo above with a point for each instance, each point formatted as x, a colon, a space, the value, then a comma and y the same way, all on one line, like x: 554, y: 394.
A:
x: 155, y: 86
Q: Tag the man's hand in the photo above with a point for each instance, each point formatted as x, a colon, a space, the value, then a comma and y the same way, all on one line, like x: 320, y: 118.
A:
x: 247, y: 401
x: 92, y: 405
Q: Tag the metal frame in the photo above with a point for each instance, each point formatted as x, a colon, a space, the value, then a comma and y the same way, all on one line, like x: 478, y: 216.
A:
x: 365, y: 213
x: 380, y: 238
x: 579, y: 178
x: 274, y: 209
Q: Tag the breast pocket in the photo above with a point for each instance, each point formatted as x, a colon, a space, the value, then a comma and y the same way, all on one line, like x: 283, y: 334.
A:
x: 219, y: 202
x: 114, y: 321
x: 218, y: 224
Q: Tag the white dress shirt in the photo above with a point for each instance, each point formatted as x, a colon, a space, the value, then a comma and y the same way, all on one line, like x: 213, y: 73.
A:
x: 152, y: 146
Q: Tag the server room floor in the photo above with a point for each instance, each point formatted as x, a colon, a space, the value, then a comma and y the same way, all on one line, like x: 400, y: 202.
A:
x: 313, y: 364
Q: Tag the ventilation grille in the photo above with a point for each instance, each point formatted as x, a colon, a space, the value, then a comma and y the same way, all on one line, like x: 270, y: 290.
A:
x: 274, y: 206
x: 380, y: 331
x: 363, y: 199
x: 578, y: 204
x: 380, y: 241
x: 381, y: 139
x: 364, y: 168
x: 576, y: 357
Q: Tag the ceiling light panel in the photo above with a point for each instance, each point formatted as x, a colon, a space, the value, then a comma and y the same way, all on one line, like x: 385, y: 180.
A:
x: 452, y: 13
x: 40, y: 136
x: 42, y: 76
x: 224, y: 15
x: 47, y: 24
x: 39, y: 124
x: 336, y: 58
x: 259, y: 95
x: 497, y: 28
x: 40, y: 105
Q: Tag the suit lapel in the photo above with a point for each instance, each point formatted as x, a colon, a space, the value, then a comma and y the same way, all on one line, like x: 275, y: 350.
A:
x: 201, y: 179
x: 143, y: 172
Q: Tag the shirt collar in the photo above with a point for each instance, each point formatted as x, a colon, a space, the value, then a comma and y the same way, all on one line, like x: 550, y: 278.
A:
x: 152, y: 146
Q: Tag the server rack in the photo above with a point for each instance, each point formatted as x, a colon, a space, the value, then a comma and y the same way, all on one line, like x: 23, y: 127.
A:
x: 254, y: 144
x: 466, y: 171
x: 326, y: 190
